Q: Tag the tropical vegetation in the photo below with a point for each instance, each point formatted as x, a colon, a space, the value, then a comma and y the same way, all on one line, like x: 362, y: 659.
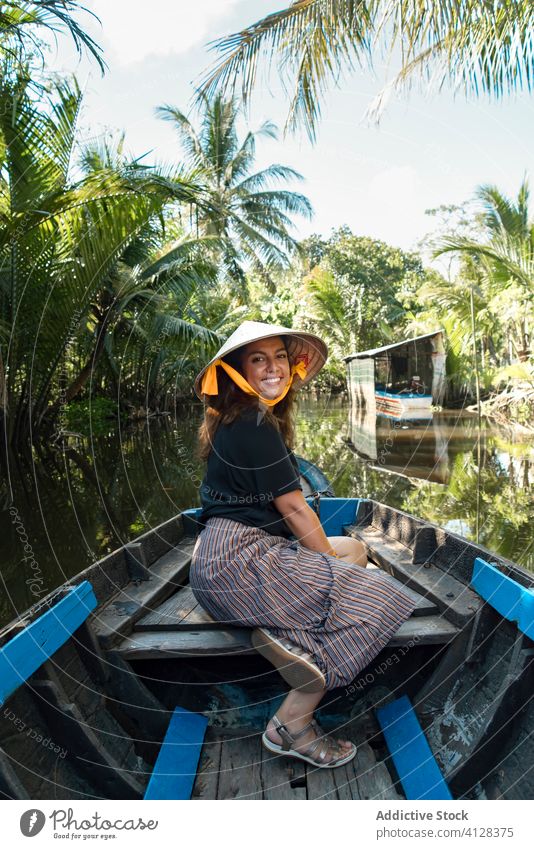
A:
x: 246, y: 210
x: 475, y: 47
x: 118, y: 277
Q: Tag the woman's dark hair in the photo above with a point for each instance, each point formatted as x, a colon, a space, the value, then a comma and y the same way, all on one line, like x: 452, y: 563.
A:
x: 232, y: 402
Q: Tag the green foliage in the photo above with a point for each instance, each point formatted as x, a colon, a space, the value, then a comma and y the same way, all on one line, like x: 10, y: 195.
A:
x: 93, y: 416
x: 21, y: 22
x: 491, y: 502
x: 358, y: 293
x: 497, y: 269
x: 67, y: 288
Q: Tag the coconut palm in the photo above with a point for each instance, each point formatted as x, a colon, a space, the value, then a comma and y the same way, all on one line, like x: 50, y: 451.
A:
x: 505, y: 259
x: 242, y: 208
x: 60, y: 241
x: 22, y: 22
x: 479, y: 47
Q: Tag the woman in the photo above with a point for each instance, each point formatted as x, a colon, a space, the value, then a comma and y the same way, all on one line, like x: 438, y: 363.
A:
x: 318, y: 615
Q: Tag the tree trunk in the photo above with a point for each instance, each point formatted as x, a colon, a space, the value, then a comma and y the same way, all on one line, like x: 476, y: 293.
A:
x: 3, y: 389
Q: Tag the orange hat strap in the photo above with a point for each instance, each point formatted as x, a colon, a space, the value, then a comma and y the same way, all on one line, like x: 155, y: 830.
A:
x: 209, y: 384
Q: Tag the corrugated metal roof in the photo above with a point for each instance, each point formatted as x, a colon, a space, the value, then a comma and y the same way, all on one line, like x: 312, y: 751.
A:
x: 374, y: 351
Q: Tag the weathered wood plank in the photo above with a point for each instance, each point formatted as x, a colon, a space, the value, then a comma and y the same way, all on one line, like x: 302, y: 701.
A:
x: 454, y: 599
x: 198, y: 618
x: 424, y: 606
x: 181, y: 612
x: 339, y: 783
x: 346, y: 781
x: 240, y: 769
x: 279, y: 773
x: 168, y: 574
x: 163, y: 644
x: 373, y: 778
x: 170, y: 613
x: 320, y: 783
x: 422, y: 630
x: 207, y: 780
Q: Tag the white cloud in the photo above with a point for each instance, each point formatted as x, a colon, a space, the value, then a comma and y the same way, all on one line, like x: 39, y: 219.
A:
x: 133, y: 29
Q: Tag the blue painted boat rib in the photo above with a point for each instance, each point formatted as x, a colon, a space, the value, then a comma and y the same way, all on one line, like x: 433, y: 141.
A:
x: 176, y: 767
x: 335, y: 513
x: 506, y: 596
x: 416, y: 766
x: 29, y: 649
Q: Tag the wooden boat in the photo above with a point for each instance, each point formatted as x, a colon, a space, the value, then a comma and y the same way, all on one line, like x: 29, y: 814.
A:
x: 118, y: 685
x: 402, y: 403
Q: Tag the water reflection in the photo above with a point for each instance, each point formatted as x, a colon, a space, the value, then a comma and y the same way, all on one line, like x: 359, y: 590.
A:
x: 413, y: 445
x: 475, y: 481
x: 64, y: 509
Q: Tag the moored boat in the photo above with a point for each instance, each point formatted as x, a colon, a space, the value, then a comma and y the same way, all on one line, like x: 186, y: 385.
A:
x: 92, y: 677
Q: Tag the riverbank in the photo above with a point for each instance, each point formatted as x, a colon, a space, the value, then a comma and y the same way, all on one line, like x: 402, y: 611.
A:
x: 512, y: 408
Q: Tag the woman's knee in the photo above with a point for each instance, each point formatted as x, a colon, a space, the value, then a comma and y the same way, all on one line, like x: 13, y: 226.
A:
x: 349, y: 549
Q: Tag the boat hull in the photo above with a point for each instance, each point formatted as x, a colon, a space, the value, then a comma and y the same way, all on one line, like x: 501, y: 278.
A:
x: 398, y: 405
x: 105, y: 708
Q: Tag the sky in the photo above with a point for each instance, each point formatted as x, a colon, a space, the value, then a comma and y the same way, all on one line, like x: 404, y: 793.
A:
x: 379, y: 180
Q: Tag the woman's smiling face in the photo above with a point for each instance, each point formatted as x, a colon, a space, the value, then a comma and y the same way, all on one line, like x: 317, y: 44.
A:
x: 265, y: 366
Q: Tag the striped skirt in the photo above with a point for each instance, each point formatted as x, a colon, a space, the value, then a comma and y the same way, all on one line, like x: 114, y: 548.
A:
x: 341, y: 613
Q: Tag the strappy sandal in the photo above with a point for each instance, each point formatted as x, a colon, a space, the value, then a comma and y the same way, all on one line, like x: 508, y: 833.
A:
x: 322, y: 742
x: 295, y: 665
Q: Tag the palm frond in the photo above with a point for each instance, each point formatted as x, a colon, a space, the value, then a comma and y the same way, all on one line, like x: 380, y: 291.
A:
x: 477, y: 47
x: 18, y: 22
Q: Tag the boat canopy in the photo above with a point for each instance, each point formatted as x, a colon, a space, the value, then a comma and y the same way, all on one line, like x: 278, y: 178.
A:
x: 385, y: 348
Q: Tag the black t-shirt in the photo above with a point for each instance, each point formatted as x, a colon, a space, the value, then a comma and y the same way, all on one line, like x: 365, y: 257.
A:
x: 249, y: 465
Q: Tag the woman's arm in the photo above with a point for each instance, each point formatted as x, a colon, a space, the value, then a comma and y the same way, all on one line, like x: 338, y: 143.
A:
x: 303, y: 522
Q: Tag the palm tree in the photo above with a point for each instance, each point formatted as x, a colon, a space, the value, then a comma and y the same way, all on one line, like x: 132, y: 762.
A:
x: 505, y: 259
x: 479, y: 47
x: 60, y: 242
x: 140, y: 319
x: 22, y: 22
x: 241, y: 208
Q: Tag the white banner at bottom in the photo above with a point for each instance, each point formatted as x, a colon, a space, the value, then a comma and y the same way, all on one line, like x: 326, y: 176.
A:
x: 222, y: 824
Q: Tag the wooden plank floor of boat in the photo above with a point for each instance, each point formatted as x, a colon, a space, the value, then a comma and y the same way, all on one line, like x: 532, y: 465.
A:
x: 237, y: 766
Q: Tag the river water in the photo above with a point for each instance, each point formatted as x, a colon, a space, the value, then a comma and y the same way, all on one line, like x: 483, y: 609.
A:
x: 65, y: 506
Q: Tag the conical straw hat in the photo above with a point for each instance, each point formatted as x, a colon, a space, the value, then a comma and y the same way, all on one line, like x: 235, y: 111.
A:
x: 300, y: 346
